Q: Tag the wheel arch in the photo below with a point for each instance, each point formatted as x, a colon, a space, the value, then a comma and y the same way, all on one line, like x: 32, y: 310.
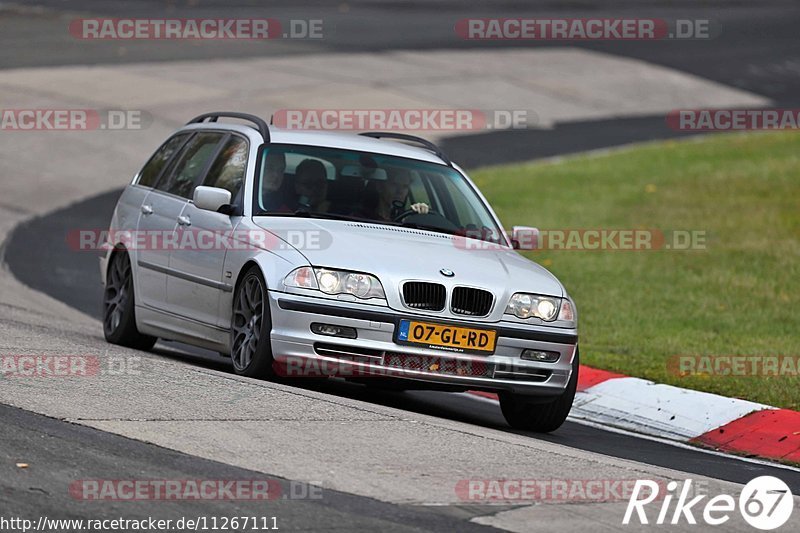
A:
x: 273, y: 269
x: 250, y: 263
x: 112, y: 253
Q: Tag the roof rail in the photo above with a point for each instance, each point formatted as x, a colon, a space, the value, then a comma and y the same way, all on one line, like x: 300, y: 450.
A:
x: 410, y: 138
x: 262, y: 127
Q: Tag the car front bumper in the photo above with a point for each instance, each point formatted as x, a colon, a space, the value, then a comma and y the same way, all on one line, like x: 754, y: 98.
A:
x: 299, y: 352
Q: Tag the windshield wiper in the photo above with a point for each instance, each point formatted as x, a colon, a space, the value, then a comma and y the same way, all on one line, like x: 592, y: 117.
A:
x: 331, y: 216
x: 427, y: 227
x: 305, y: 213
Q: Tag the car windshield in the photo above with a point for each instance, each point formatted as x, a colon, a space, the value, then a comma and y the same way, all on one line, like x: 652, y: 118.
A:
x: 335, y: 183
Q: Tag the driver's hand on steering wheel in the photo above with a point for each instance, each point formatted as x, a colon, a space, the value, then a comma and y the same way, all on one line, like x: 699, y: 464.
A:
x: 421, y: 208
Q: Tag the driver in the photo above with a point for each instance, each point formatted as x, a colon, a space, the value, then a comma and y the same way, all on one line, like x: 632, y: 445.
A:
x: 393, y: 194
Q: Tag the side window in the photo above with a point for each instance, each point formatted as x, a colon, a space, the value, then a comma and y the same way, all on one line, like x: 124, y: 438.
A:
x: 182, y: 179
x: 228, y: 169
x: 151, y: 171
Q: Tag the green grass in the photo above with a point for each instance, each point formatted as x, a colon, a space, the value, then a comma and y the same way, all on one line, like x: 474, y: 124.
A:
x: 739, y: 296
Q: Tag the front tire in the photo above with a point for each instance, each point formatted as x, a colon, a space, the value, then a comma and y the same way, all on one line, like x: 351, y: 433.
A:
x: 524, y: 412
x: 119, y: 315
x: 251, y: 325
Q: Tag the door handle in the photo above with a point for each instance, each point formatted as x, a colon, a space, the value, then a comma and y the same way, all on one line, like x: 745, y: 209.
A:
x: 183, y: 220
x: 147, y: 210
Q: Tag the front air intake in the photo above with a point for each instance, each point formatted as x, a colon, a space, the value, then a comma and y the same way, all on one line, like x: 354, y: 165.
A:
x: 423, y: 295
x: 472, y: 302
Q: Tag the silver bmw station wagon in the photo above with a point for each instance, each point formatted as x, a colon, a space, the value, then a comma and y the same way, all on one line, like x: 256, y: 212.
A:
x: 371, y: 257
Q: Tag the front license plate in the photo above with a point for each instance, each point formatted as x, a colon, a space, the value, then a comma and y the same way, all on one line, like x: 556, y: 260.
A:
x: 449, y: 338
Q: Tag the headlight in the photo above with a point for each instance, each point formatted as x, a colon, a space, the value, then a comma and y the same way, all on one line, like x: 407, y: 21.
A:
x: 524, y: 305
x: 330, y: 281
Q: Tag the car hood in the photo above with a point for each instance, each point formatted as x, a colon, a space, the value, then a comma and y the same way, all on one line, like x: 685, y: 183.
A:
x: 395, y: 254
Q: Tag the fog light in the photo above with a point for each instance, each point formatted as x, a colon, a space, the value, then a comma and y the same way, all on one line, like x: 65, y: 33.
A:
x: 334, y: 331
x: 540, y: 356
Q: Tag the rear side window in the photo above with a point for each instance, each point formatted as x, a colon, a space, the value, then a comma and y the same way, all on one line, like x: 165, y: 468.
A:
x: 152, y: 170
x: 182, y: 178
x: 228, y: 169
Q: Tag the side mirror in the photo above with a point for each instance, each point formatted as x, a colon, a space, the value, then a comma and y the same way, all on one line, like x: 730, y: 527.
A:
x: 524, y: 238
x: 211, y: 198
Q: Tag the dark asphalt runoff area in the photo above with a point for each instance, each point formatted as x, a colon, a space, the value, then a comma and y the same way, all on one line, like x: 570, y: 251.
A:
x: 758, y: 50
x: 59, y: 454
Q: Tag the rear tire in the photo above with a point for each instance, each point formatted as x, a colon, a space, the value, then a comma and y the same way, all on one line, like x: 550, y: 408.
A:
x: 251, y: 325
x: 119, y: 307
x: 524, y: 412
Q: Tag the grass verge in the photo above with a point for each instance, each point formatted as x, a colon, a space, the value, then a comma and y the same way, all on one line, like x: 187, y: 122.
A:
x: 640, y: 309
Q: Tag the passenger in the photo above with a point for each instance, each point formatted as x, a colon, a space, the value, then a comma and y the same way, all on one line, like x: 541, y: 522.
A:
x: 272, y: 193
x: 311, y: 186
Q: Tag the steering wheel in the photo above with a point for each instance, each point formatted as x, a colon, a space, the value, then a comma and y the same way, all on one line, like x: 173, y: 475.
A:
x: 409, y: 212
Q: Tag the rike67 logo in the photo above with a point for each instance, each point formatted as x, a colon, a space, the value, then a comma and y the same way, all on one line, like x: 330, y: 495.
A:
x: 766, y: 503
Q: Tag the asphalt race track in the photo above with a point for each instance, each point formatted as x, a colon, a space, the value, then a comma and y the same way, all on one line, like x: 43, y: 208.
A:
x: 78, y: 285
x: 757, y: 52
